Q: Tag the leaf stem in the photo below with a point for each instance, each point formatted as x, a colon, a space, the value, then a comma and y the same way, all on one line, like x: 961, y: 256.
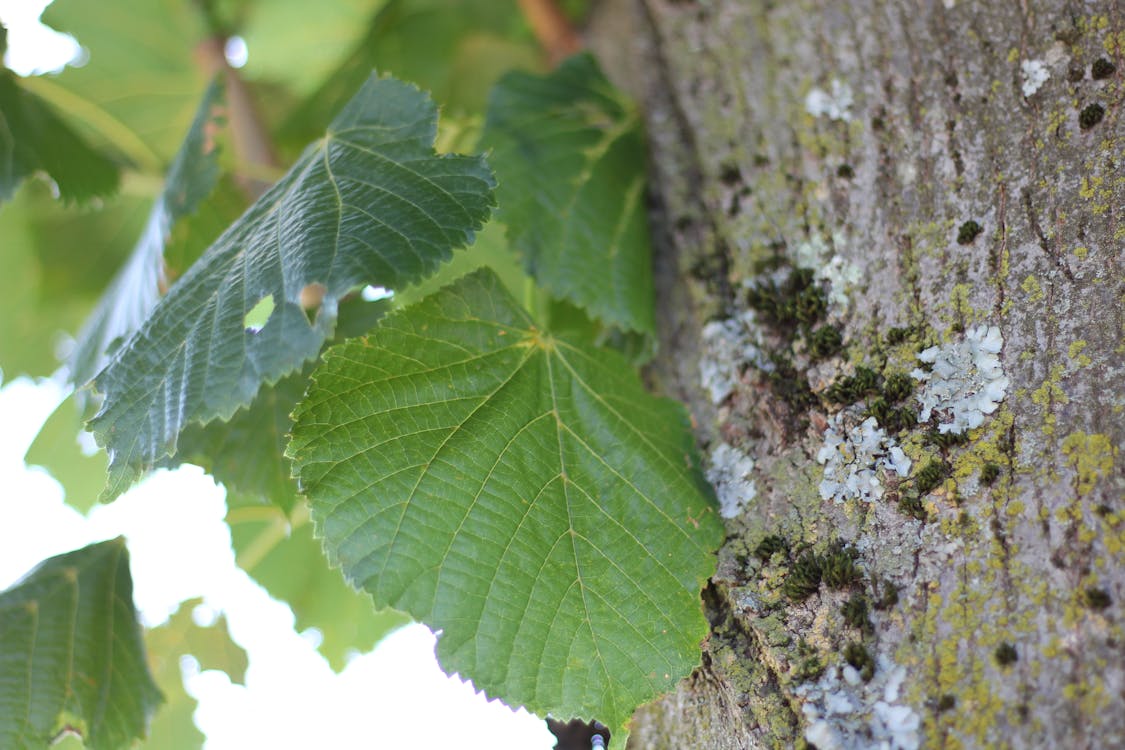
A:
x: 552, y: 29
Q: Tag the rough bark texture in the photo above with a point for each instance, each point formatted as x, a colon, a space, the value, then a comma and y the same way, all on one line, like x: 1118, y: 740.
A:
x: 860, y: 140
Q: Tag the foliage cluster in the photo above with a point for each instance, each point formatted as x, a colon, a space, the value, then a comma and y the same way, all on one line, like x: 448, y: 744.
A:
x: 463, y: 432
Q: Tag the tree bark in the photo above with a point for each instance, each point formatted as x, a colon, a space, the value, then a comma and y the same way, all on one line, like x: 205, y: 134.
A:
x: 939, y: 168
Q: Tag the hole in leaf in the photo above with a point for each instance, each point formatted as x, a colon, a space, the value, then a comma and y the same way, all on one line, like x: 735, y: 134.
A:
x: 376, y: 293
x: 256, y: 319
x: 311, y: 297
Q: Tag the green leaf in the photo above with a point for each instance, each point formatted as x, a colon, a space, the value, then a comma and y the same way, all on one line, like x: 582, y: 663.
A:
x: 455, y: 50
x: 522, y: 494
x: 287, y: 561
x: 140, y: 87
x: 174, y: 728
x: 247, y: 452
x: 569, y: 154
x: 57, y: 450
x: 134, y: 292
x: 71, y: 653
x: 33, y: 138
x: 369, y: 204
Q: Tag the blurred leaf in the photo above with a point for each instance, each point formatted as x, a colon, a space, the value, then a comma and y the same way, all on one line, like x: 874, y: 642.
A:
x: 33, y: 138
x: 34, y: 319
x: 71, y: 653
x: 570, y: 159
x: 140, y: 87
x: 288, y: 562
x: 454, y: 49
x: 57, y: 450
x: 138, y: 285
x: 369, y: 204
x: 280, y: 32
x: 174, y: 728
x: 523, y: 495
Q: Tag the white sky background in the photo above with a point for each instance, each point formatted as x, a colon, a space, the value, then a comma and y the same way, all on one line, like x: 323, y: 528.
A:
x: 396, y: 696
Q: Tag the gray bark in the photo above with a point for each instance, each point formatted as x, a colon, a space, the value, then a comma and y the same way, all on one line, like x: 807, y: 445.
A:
x: 864, y: 136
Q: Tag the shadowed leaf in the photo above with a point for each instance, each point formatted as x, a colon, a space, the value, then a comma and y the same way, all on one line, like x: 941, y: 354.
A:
x: 568, y: 151
x: 71, y: 653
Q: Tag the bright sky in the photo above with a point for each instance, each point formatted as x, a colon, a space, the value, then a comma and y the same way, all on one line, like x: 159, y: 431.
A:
x: 395, y: 696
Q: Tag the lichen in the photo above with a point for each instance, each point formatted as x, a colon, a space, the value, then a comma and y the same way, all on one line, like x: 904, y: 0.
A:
x: 835, y: 104
x: 852, y: 456
x: 967, y: 381
x: 731, y: 473
x: 728, y: 345
x: 845, y: 712
x: 1035, y: 74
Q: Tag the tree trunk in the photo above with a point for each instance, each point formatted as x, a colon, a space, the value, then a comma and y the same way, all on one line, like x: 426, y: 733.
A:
x: 940, y: 168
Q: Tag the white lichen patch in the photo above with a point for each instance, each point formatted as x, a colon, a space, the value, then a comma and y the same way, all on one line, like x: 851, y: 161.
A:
x: 966, y: 381
x: 853, y: 455
x: 835, y: 104
x: 1035, y: 74
x: 838, y: 271
x: 728, y: 345
x: 844, y: 713
x: 731, y: 473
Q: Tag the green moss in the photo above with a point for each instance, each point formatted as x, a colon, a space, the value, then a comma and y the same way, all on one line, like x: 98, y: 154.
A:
x: 858, y: 656
x: 968, y: 232
x: 946, y: 440
x: 910, y: 504
x: 838, y: 566
x: 855, y: 611
x: 804, y: 577
x: 1090, y: 116
x: 848, y: 390
x: 989, y: 474
x: 898, y: 387
x: 797, y: 300
x: 1102, y: 68
x: 893, y: 419
x: 1006, y: 654
x: 790, y: 385
x: 1096, y: 598
x: 809, y: 664
x: 769, y: 546
x: 825, y: 342
x: 929, y: 477
x: 889, y: 597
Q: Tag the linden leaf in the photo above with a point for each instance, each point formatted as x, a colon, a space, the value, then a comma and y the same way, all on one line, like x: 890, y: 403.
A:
x: 72, y: 653
x: 524, y: 495
x: 568, y: 150
x: 371, y: 203
x: 33, y: 138
x: 136, y: 289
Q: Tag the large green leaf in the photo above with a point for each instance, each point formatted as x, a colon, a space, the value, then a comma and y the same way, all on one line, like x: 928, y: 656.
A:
x: 56, y: 449
x: 455, y: 49
x: 371, y: 203
x: 133, y: 294
x: 173, y: 728
x: 140, y: 86
x: 33, y: 138
x: 523, y: 495
x: 570, y: 157
x: 72, y: 655
x: 282, y: 555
